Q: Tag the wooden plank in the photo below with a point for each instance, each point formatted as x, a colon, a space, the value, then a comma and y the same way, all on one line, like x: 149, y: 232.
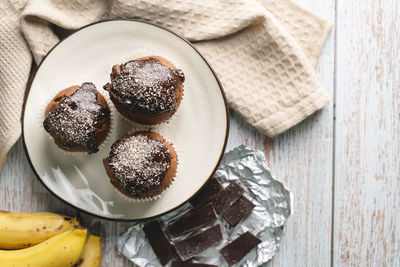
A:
x: 242, y: 133
x: 302, y: 159
x: 109, y: 232
x: 20, y: 189
x: 367, y: 145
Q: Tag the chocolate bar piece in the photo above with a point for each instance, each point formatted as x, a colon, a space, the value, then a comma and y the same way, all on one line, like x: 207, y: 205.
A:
x: 192, y: 220
x: 238, y: 211
x: 224, y: 200
x: 195, y: 244
x: 207, y: 193
x: 160, y: 244
x: 238, y: 248
x: 190, y: 264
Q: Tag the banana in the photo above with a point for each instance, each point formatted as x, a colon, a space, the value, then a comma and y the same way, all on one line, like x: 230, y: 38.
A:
x: 59, y: 251
x: 22, y: 230
x: 91, y: 255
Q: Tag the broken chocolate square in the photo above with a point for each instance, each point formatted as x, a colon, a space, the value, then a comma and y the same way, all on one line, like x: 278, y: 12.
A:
x: 207, y: 193
x: 160, y: 244
x: 224, y: 200
x: 238, y: 248
x: 197, y: 243
x: 192, y: 220
x: 190, y: 264
x: 238, y: 211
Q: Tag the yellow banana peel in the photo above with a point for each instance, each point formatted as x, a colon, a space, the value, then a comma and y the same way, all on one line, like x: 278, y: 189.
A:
x: 59, y: 251
x: 22, y: 230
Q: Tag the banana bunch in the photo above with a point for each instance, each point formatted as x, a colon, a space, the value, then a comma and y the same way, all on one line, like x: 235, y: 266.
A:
x: 46, y: 239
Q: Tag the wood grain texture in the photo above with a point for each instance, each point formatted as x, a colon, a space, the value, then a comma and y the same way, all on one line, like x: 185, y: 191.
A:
x: 109, y: 232
x: 361, y: 156
x: 367, y: 145
x: 21, y: 191
x: 302, y: 159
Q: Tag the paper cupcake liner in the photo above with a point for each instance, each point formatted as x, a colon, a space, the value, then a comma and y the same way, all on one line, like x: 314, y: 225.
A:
x: 144, y: 127
x: 77, y: 154
x: 139, y: 200
x: 112, y: 122
x: 152, y: 198
x: 178, y: 111
x: 136, y: 125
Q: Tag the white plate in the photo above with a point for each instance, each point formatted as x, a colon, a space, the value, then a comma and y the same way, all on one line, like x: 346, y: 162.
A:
x: 198, y: 131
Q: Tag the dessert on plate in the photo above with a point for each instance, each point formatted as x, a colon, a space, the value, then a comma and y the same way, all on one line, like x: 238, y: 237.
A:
x: 146, y: 90
x: 141, y: 165
x: 78, y: 118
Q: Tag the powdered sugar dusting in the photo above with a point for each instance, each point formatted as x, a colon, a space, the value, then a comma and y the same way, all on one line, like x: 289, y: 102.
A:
x: 139, y: 163
x: 147, y: 85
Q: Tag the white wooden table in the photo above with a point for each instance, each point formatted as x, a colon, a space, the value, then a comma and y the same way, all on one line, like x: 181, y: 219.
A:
x: 342, y: 163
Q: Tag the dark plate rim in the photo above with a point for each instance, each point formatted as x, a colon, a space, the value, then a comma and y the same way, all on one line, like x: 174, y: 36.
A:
x: 119, y: 219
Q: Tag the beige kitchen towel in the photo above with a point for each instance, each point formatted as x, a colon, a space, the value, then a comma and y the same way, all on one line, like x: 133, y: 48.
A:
x: 264, y: 52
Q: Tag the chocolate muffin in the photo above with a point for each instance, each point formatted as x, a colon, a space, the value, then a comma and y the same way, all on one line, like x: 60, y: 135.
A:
x: 141, y: 165
x: 78, y: 118
x: 146, y: 90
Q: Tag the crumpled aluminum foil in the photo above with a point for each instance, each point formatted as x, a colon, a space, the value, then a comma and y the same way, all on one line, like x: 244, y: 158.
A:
x: 267, y: 221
